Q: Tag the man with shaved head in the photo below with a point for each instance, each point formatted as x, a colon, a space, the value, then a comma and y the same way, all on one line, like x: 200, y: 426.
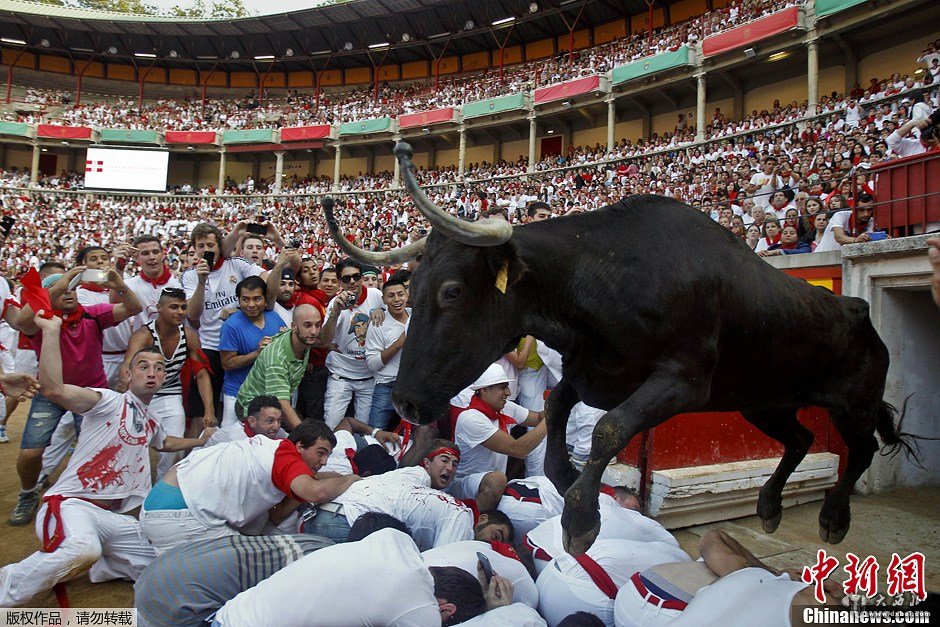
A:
x: 280, y: 366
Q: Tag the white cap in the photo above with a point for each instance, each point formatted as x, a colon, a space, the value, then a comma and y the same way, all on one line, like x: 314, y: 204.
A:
x: 493, y: 375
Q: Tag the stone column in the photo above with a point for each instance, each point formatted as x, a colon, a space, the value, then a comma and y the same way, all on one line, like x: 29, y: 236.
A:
x: 533, y: 130
x: 396, y: 173
x: 812, y: 73
x: 34, y: 166
x: 462, y: 153
x: 700, y: 107
x: 338, y: 155
x: 278, y: 169
x: 611, y: 122
x: 221, y: 184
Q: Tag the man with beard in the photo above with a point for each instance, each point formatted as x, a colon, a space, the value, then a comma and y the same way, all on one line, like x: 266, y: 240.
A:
x: 849, y: 227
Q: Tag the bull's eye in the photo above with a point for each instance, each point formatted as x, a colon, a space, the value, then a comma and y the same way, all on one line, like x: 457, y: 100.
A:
x: 450, y: 293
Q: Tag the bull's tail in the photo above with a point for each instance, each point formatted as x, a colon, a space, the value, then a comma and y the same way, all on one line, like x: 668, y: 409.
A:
x: 894, y: 439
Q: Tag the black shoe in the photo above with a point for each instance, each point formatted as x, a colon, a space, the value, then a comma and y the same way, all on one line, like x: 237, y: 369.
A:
x: 25, y: 508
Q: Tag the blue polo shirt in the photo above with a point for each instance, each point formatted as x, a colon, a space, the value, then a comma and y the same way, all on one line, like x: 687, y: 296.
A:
x: 240, y: 335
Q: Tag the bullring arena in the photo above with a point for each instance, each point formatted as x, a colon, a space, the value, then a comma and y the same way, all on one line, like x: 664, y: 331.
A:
x: 344, y: 288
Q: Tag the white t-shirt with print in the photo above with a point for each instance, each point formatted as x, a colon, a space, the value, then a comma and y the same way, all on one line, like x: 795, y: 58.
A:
x: 111, y: 459
x: 219, y: 295
x: 350, y: 361
x: 378, y: 340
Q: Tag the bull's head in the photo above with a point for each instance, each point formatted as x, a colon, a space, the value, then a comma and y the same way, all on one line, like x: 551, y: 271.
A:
x: 465, y: 316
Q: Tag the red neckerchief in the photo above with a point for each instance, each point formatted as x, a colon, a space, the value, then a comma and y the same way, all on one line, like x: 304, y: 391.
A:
x: 404, y: 430
x: 161, y: 280
x: 471, y: 504
x: 598, y: 575
x: 70, y: 319
x: 93, y: 287
x: 608, y: 490
x: 218, y: 264
x: 853, y: 230
x: 351, y: 455
x: 771, y: 242
x: 505, y: 549
x: 248, y: 430
x: 786, y: 246
x: 477, y: 403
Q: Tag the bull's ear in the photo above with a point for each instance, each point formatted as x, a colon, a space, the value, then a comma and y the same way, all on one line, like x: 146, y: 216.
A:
x: 505, y: 266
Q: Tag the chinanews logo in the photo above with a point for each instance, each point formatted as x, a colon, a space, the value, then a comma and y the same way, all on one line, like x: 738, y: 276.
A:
x: 94, y: 166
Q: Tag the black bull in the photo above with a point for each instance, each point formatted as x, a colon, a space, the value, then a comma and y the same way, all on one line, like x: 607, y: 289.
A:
x: 656, y: 311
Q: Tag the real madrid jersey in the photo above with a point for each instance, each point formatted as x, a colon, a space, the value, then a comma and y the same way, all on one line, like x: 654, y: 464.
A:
x: 220, y: 294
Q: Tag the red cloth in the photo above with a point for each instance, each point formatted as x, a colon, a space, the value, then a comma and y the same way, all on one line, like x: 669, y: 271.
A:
x: 505, y: 422
x: 598, y: 575
x: 472, y: 504
x: 288, y: 465
x: 537, y: 552
x: 669, y: 604
x: 505, y: 549
x: 163, y: 279
x: 351, y: 456
x: 34, y: 294
x: 54, y: 514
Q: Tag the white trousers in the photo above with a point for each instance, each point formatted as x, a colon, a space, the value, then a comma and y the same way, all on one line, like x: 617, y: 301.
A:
x: 532, y: 386
x: 167, y: 528
x: 110, y: 544
x: 169, y: 411
x: 631, y: 609
x: 339, y: 392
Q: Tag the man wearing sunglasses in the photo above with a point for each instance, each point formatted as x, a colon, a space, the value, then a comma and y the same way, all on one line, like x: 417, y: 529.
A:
x: 347, y: 325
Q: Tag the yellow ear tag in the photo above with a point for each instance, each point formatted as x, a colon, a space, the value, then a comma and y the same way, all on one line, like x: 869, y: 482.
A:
x: 502, y: 277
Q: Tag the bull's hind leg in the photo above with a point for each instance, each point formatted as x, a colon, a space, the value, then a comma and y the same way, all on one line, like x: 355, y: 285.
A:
x: 857, y: 429
x: 672, y: 389
x: 558, y: 467
x: 781, y: 425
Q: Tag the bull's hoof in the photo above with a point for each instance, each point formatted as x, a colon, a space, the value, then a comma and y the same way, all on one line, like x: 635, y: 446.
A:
x: 834, y: 521
x: 770, y: 525
x: 579, y: 544
x: 832, y: 536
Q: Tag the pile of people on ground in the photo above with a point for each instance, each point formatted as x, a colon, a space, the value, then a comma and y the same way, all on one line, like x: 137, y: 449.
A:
x: 266, y: 392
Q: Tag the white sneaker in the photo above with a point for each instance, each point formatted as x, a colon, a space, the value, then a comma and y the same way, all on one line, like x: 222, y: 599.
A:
x: 3, y: 434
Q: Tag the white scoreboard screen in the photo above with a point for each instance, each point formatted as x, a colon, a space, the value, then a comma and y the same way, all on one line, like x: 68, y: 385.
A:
x: 130, y: 169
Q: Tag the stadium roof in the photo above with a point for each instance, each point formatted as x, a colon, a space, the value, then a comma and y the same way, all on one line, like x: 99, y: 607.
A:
x: 313, y: 35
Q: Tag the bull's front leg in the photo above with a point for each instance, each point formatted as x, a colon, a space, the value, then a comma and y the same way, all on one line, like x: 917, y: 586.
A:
x: 558, y: 407
x: 670, y: 390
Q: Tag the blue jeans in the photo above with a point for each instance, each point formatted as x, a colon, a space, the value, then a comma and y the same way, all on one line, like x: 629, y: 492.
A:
x: 329, y: 525
x: 382, y: 409
x: 44, y: 417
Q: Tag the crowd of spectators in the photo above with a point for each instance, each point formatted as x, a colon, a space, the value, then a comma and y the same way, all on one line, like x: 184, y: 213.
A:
x: 274, y: 109
x: 815, y: 158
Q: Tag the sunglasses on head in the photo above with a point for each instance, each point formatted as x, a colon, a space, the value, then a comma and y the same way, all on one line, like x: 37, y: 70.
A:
x: 349, y: 278
x: 174, y: 292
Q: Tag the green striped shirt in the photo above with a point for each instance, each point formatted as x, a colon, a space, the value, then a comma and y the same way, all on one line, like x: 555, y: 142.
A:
x: 276, y: 372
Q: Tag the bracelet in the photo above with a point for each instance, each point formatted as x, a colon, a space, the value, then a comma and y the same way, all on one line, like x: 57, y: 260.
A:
x: 122, y: 291
x: 374, y: 431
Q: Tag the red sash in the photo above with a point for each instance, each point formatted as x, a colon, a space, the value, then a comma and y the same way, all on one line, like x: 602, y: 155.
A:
x: 537, y: 552
x: 669, y: 604
x: 54, y: 514
x: 598, y: 575
x: 350, y: 455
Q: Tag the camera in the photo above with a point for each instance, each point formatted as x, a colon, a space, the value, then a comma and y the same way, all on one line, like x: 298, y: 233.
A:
x: 350, y: 300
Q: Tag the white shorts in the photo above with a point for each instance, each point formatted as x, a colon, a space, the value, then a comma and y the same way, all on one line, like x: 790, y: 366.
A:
x: 561, y: 594
x: 229, y: 417
x: 631, y: 609
x: 167, y: 528
x: 169, y: 411
x: 466, y: 487
x: 339, y: 392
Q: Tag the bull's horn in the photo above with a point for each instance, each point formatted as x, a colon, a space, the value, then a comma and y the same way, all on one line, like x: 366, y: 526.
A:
x: 485, y: 232
x: 384, y: 258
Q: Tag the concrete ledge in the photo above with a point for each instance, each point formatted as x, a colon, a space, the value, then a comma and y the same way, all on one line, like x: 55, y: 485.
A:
x: 913, y: 245
x: 691, y: 496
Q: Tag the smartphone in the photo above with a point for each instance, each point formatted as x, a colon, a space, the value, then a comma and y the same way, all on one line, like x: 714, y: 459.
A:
x: 6, y: 224
x: 486, y: 566
x: 209, y: 256
x: 257, y: 229
x: 94, y: 276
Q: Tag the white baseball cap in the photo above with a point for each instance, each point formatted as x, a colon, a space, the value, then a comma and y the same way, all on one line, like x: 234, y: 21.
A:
x: 493, y: 375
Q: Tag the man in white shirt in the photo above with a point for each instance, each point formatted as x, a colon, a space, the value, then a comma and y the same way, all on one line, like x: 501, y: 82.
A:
x: 81, y: 522
x: 412, y: 495
x: 903, y: 146
x: 211, y: 291
x: 383, y: 350
x: 380, y: 580
x: 154, y: 276
x: 849, y: 227
x: 764, y: 183
x: 347, y: 325
x: 481, y: 433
